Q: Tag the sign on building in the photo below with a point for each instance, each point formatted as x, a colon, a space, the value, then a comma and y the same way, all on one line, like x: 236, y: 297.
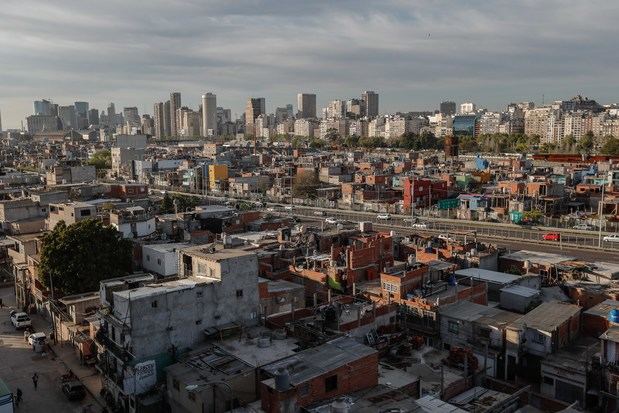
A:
x: 142, y: 378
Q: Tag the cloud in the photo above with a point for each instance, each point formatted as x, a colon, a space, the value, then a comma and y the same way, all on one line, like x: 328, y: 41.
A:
x: 414, y: 53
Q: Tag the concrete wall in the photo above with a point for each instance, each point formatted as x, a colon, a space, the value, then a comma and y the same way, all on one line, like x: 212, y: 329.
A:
x: 161, y: 262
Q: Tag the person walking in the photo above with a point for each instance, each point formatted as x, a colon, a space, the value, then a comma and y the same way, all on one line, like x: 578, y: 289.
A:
x: 35, y: 380
x: 18, y: 398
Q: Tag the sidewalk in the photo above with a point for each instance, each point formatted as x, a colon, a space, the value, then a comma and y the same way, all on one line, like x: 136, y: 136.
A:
x: 89, y: 376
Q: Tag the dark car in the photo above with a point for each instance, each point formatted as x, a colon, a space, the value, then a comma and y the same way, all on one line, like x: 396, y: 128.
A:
x: 74, y: 390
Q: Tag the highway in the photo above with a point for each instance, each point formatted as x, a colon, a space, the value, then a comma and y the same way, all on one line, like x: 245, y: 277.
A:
x: 576, y: 243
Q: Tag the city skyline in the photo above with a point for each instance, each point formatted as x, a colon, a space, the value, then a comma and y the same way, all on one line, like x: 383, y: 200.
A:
x: 413, y: 55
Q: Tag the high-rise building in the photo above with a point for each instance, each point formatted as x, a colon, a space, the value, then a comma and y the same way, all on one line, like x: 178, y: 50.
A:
x: 147, y: 125
x: 132, y: 117
x: 112, y: 119
x: 306, y: 105
x: 370, y: 103
x: 467, y: 108
x: 93, y: 116
x: 354, y: 107
x: 81, y: 114
x: 255, y: 107
x: 159, y: 120
x: 175, y: 105
x: 167, y: 122
x: 336, y: 109
x: 42, y: 123
x: 67, y: 117
x: 43, y: 107
x: 448, y: 108
x: 209, y: 114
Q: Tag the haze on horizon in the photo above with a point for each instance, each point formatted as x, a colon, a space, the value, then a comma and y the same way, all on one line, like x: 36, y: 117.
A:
x: 413, y: 53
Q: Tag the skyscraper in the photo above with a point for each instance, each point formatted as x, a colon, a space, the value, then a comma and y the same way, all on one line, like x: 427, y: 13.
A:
x: 306, y: 105
x: 167, y: 126
x: 111, y: 116
x: 159, y: 120
x: 93, y: 116
x: 67, y: 117
x: 370, y: 103
x: 448, y: 108
x: 255, y: 107
x: 43, y: 107
x: 81, y: 114
x: 175, y: 105
x: 132, y: 117
x: 209, y: 114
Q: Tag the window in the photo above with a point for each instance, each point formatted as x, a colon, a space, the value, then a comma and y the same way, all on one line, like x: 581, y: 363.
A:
x: 539, y: 338
x: 452, y: 327
x: 331, y: 384
x: 392, y: 288
x: 147, y: 257
x: 154, y: 304
x: 239, y: 293
x: 549, y: 380
x: 85, y: 213
x: 198, y: 322
x: 303, y: 389
x: 199, y: 294
x: 175, y: 384
x: 158, y: 261
x: 192, y: 396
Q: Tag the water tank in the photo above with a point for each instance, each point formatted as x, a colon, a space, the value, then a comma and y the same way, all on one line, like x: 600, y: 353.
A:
x: 340, y: 406
x: 613, y: 315
x: 282, y: 379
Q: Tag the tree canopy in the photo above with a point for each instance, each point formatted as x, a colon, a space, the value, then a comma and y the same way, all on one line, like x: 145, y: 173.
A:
x: 305, y: 184
x: 75, y: 258
x: 183, y: 202
x: 610, y: 147
x: 101, y: 159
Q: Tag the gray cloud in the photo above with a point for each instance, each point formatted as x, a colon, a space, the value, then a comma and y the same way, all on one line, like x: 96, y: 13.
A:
x: 136, y: 52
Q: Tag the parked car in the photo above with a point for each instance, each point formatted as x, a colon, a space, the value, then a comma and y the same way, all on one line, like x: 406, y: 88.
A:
x: 38, y: 338
x: 288, y: 207
x: 420, y: 225
x: 319, y: 213
x: 611, y: 238
x: 331, y: 220
x: 74, y: 390
x: 383, y: 216
x: 446, y: 237
x: 583, y: 227
x: 21, y: 320
x: 552, y: 236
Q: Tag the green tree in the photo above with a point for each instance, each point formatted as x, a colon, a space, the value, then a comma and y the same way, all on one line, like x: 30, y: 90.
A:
x: 305, y: 184
x: 610, y: 147
x: 75, y: 258
x: 585, y: 143
x: 101, y: 160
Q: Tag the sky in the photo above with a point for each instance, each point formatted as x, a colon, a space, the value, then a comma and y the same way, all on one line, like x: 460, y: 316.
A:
x: 415, y: 54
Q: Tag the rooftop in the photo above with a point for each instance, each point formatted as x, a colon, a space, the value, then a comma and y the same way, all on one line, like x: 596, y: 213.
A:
x: 216, y: 252
x: 320, y: 360
x: 167, y: 247
x: 521, y: 290
x: 547, y: 316
x: 537, y: 257
x: 603, y: 308
x: 487, y: 275
x: 155, y: 289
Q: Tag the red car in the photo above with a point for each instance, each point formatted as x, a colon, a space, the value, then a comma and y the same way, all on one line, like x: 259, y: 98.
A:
x: 552, y: 236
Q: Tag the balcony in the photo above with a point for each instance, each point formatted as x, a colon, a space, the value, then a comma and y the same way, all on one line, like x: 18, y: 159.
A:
x: 114, y: 348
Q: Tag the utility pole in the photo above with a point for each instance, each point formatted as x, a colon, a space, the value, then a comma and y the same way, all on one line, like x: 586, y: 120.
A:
x: 601, y: 213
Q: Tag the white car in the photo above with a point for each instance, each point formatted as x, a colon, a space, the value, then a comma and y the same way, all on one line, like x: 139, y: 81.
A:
x: 611, y: 238
x: 331, y: 220
x: 21, y: 320
x: 420, y: 225
x: 37, y: 338
x: 288, y: 207
x: 583, y: 227
x: 383, y: 216
x: 446, y: 237
x: 319, y: 213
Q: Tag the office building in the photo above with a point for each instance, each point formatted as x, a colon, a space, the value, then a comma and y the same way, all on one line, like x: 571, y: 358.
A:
x: 448, y: 108
x: 93, y: 116
x: 336, y: 109
x: 209, y: 114
x: 81, y: 114
x: 370, y: 103
x: 167, y: 119
x: 44, y: 107
x: 112, y: 119
x: 42, y: 123
x: 67, y: 117
x: 467, y: 108
x: 306, y: 105
x: 255, y: 107
x: 465, y: 125
x: 159, y: 121
x: 131, y: 117
x: 175, y: 105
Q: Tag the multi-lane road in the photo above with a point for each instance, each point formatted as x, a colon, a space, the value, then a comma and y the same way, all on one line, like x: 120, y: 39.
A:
x: 588, y: 245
